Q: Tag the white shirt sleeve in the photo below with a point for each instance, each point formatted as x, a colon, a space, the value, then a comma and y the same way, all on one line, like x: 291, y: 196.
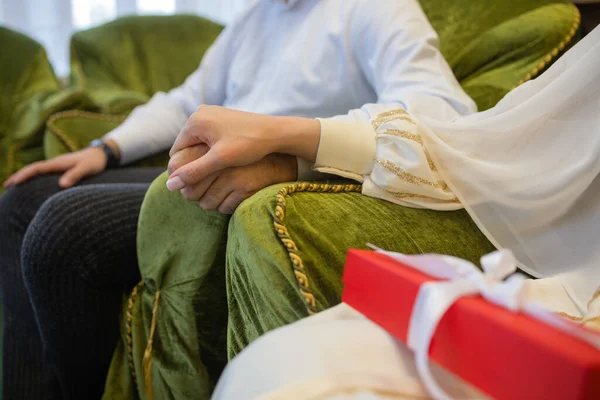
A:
x: 154, y: 126
x: 378, y: 144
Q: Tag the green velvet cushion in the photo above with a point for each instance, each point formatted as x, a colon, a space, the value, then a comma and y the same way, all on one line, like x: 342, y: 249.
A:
x: 29, y: 94
x: 126, y: 61
x: 70, y: 131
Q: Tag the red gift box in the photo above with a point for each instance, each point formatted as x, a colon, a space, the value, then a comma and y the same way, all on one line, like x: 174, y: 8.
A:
x: 506, y: 355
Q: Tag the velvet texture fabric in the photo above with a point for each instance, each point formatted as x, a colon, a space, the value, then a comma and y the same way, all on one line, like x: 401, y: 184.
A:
x: 123, y: 63
x: 73, y: 130
x: 119, y: 66
x: 235, y: 281
x: 494, y: 46
x: 211, y: 285
x: 29, y: 94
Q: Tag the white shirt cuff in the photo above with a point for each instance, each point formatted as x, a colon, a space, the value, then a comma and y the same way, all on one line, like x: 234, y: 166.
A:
x: 346, y: 149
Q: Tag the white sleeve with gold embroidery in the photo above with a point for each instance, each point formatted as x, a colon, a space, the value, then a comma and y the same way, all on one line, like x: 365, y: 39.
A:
x: 388, y: 157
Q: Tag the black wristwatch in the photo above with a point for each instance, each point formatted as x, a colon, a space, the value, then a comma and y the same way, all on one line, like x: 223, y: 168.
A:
x: 111, y: 160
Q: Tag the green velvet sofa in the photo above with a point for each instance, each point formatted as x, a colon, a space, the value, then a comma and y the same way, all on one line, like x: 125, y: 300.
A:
x: 211, y: 283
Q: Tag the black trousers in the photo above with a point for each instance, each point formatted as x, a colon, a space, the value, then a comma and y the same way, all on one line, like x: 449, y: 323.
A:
x: 65, y: 259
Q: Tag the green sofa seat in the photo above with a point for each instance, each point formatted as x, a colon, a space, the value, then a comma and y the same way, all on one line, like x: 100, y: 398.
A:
x: 213, y: 284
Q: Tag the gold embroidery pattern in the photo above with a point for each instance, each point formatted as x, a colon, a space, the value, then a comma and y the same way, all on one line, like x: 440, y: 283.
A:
x: 594, y: 297
x: 569, y: 316
x: 407, y: 176
x: 129, y: 327
x: 393, y: 113
x: 377, y: 122
x: 414, y: 196
x: 555, y: 51
x: 62, y: 136
x: 289, y: 244
x: 388, y: 394
x: 401, y: 134
x: 409, y: 136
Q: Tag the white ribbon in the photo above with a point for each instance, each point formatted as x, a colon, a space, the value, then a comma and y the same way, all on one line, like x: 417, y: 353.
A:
x: 498, y: 283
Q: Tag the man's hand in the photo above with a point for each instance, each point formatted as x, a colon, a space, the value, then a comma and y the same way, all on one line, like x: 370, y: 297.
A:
x: 237, y: 139
x: 76, y: 166
x: 225, y: 190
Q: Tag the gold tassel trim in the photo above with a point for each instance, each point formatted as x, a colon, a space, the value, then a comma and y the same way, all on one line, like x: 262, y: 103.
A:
x: 129, y: 327
x: 147, y: 361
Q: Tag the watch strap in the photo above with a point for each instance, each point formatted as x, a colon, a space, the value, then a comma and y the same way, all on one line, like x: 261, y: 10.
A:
x: 111, y: 159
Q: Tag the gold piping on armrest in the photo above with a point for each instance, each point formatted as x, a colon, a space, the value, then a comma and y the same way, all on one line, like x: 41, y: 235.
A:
x: 60, y: 134
x: 555, y: 51
x: 288, y: 242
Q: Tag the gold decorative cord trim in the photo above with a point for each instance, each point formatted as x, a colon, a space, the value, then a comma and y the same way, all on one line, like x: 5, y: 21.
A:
x: 555, y: 51
x: 61, y: 135
x: 407, y: 176
x: 409, y: 136
x: 285, y: 238
x: 147, y: 361
x: 129, y: 327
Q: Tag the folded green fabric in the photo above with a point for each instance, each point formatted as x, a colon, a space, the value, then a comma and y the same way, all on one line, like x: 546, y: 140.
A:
x: 124, y: 62
x: 29, y: 94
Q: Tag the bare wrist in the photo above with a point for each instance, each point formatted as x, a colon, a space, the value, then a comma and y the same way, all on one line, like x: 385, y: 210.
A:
x: 298, y: 137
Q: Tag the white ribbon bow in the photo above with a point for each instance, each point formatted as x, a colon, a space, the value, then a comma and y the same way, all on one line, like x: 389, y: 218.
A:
x: 497, y: 283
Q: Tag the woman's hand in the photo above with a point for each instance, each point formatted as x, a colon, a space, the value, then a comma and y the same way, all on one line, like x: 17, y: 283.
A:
x: 76, y: 166
x: 237, y: 139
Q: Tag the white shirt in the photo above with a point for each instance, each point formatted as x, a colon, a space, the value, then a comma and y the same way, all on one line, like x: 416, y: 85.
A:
x: 344, y: 61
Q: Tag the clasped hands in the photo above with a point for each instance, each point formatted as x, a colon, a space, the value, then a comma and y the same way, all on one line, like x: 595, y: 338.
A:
x: 223, y: 156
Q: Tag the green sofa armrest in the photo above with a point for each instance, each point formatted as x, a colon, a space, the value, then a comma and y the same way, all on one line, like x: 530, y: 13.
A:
x: 73, y: 130
x: 515, y: 51
x: 492, y: 47
x: 138, y: 54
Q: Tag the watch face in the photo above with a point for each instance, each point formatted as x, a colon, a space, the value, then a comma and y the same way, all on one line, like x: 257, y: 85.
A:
x: 96, y: 143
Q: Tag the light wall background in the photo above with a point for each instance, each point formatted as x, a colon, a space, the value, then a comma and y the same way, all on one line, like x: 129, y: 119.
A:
x: 51, y: 22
